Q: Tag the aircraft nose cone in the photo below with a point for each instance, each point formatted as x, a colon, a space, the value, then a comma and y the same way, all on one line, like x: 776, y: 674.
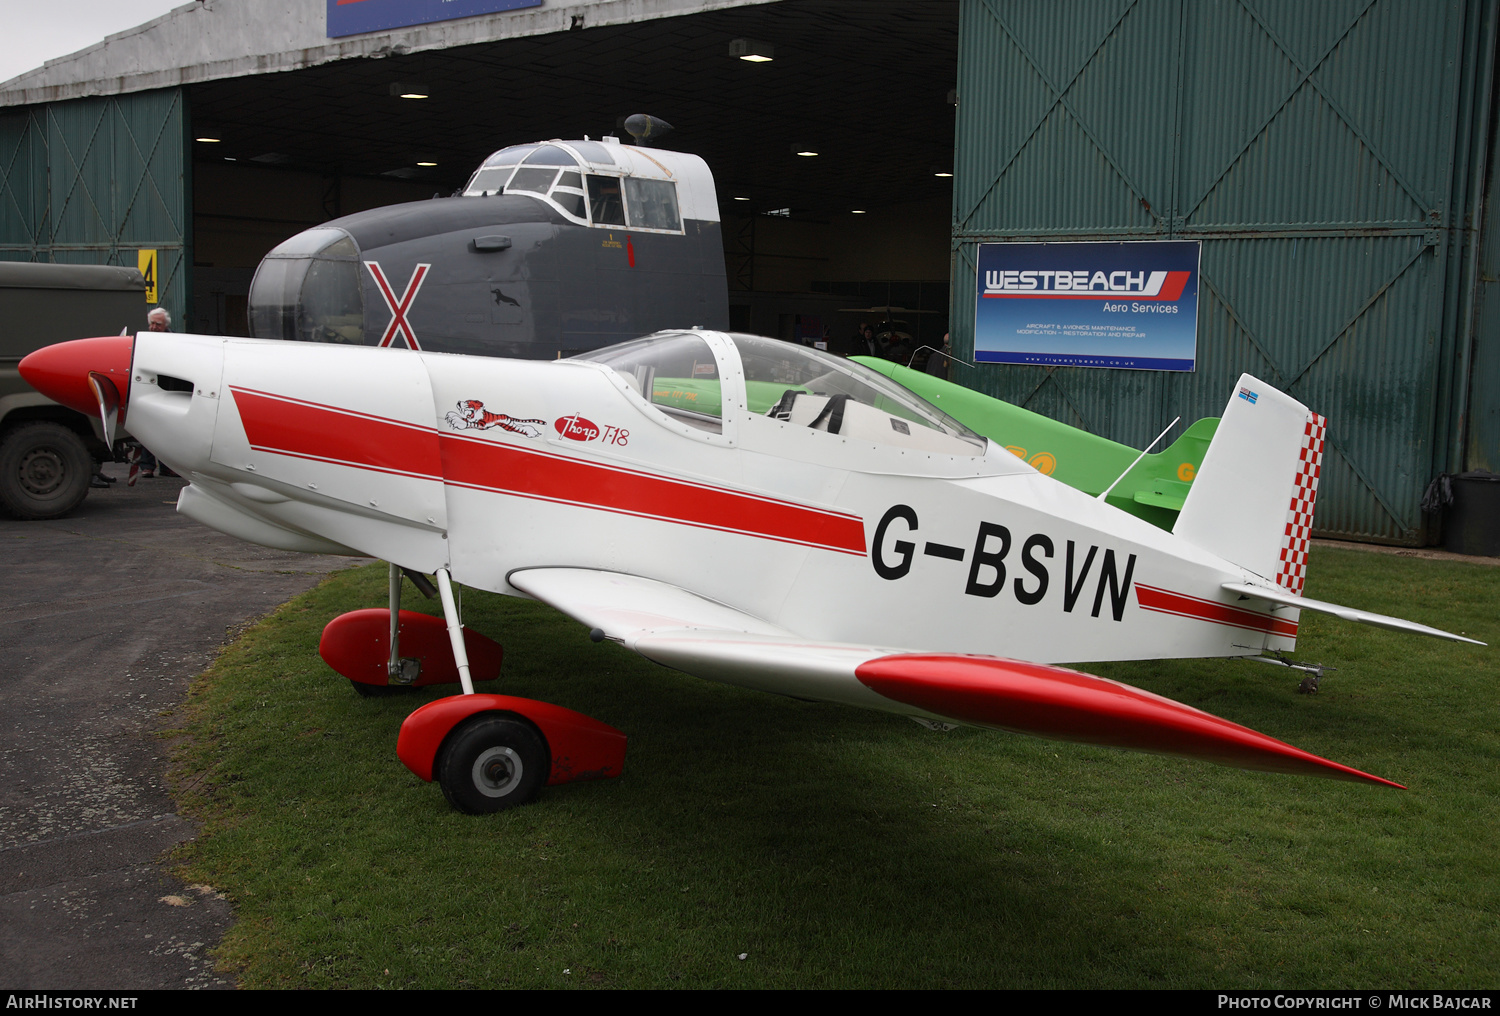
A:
x: 61, y: 372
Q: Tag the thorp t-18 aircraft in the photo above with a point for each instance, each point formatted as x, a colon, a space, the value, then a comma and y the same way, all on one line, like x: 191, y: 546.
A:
x: 831, y: 536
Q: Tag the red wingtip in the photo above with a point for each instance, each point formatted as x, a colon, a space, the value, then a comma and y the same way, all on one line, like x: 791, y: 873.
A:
x: 1064, y: 704
x: 61, y: 372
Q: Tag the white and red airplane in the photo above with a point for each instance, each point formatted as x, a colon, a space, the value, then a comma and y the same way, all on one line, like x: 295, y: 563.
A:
x: 739, y: 508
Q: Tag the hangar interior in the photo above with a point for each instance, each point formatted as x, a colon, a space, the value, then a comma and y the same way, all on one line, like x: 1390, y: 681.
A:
x: 1336, y: 162
x: 809, y: 239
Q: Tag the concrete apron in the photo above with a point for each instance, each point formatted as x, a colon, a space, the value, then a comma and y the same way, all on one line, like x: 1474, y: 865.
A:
x: 105, y: 617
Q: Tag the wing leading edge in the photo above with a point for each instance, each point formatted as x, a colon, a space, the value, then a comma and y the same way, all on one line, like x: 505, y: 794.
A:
x: 687, y: 632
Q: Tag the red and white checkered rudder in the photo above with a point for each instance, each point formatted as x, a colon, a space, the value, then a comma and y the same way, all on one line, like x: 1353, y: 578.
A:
x: 1267, y: 445
x: 1299, y: 514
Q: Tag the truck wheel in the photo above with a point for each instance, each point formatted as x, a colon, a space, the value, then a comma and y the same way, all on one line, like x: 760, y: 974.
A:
x: 491, y: 763
x: 44, y: 471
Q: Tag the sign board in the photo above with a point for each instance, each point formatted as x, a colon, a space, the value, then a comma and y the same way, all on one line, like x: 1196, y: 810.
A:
x: 1130, y: 304
x: 145, y: 260
x: 351, y: 17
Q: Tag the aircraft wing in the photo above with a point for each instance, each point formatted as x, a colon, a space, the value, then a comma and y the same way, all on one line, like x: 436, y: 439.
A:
x: 1278, y: 595
x: 687, y: 632
x: 679, y: 629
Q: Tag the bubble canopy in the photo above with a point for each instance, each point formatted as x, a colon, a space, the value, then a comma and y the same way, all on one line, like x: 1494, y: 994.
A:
x: 788, y: 382
x: 308, y: 288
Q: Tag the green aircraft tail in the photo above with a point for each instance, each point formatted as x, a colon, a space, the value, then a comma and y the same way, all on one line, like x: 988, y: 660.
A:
x: 1153, y: 489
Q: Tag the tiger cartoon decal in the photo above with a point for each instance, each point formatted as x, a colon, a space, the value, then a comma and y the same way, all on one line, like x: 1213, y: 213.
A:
x: 472, y: 415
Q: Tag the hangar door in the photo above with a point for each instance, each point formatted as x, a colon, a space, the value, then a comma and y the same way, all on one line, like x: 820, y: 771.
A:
x: 93, y: 181
x: 1321, y: 152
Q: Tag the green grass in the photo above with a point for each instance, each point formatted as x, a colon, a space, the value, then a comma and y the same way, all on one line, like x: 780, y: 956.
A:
x: 841, y: 848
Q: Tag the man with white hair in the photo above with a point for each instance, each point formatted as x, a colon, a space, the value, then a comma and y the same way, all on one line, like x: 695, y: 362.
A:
x: 157, y: 320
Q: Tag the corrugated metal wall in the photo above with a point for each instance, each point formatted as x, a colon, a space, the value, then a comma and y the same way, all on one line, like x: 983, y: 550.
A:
x: 1324, y: 155
x: 1482, y: 450
x: 92, y: 181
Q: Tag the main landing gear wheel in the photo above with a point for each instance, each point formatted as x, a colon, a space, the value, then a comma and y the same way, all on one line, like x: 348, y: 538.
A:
x: 491, y: 763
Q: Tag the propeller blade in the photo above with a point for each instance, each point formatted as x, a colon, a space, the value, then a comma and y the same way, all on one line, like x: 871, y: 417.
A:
x: 1053, y: 702
x: 109, y: 404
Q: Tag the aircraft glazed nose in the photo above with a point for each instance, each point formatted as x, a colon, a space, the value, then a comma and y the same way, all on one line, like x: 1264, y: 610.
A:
x: 61, y: 372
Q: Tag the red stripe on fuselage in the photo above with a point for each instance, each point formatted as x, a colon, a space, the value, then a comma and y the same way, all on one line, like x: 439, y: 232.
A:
x: 286, y: 426
x: 275, y: 423
x: 489, y: 465
x: 1168, y: 602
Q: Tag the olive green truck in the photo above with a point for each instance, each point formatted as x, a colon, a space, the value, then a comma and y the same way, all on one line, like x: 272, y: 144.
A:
x: 49, y: 452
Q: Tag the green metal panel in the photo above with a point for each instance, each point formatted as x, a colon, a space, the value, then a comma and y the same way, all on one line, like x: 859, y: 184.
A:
x: 23, y: 184
x: 1483, y: 437
x: 1322, y: 154
x: 93, y: 181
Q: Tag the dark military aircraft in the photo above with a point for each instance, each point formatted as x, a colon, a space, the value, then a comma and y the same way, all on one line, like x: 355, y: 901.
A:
x: 551, y: 249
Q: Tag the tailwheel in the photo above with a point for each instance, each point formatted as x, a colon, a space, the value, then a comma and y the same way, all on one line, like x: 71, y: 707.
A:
x: 491, y: 763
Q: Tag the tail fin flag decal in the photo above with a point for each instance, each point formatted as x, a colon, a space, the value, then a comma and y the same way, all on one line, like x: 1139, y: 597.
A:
x: 1293, y: 570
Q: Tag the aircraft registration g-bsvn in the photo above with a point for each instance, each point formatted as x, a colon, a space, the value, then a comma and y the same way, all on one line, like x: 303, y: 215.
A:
x: 831, y: 535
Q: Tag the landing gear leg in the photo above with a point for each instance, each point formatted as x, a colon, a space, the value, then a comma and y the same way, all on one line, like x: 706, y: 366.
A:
x: 455, y: 630
x: 394, y: 666
x: 400, y: 673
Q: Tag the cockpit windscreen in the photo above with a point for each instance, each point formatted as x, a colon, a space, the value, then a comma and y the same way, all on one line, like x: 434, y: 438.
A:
x: 676, y: 373
x: 490, y: 177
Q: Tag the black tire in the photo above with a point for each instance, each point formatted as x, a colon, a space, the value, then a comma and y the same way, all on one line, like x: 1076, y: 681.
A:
x: 44, y: 471
x: 490, y: 763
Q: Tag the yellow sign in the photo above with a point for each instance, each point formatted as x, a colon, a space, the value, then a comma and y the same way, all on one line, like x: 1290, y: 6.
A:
x: 1186, y: 472
x: 146, y: 261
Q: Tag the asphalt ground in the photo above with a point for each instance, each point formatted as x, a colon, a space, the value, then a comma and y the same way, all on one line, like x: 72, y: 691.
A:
x: 105, y: 618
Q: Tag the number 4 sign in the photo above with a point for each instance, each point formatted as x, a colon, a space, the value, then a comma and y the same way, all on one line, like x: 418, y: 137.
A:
x: 146, y: 261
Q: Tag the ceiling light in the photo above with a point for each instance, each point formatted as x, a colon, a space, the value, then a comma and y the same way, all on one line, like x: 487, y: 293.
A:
x: 427, y: 164
x: 856, y: 211
x: 752, y: 51
x: 738, y: 198
x: 210, y: 141
x: 807, y: 154
x: 410, y: 90
x: 942, y: 174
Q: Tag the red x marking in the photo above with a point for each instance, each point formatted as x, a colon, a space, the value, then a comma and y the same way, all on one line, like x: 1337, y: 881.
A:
x: 398, y: 309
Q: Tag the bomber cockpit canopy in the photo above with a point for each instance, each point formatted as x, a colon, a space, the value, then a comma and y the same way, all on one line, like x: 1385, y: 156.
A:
x: 603, y: 183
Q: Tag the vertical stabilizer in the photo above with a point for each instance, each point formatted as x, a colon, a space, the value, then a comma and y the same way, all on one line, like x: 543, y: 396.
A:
x: 1252, y: 500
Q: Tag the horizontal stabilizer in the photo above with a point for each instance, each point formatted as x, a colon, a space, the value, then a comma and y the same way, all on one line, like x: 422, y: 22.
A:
x: 1052, y: 702
x: 1347, y: 613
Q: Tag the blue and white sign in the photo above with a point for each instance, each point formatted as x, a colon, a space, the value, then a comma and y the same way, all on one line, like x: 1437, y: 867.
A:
x: 1132, y: 304
x: 351, y: 17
